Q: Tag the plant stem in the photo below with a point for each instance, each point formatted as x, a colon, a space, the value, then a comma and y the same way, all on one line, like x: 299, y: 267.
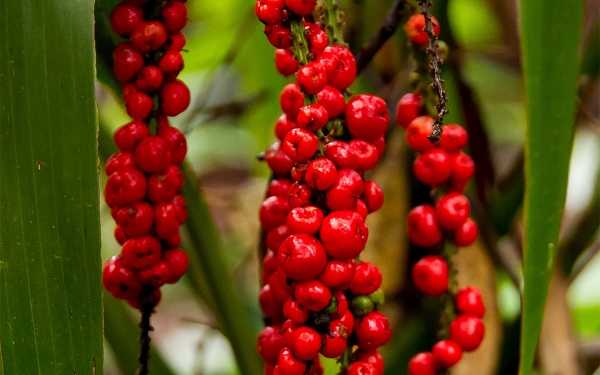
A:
x: 146, y: 327
x: 334, y: 22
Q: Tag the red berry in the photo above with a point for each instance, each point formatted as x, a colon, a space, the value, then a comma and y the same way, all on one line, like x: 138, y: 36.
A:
x: 269, y: 11
x: 330, y: 62
x: 177, y: 261
x: 295, y: 312
x: 373, y: 358
x: 301, y: 7
x: 317, y: 38
x: 128, y: 135
x: 119, y: 280
x: 269, y: 266
x: 171, y: 63
x: 277, y: 160
x: 452, y: 210
x: 333, y: 101
x: 291, y: 100
x: 433, y: 167
x: 466, y: 234
x: 141, y: 252
x: 273, y: 212
x: 414, y: 29
x: 337, y: 273
x: 152, y: 154
x: 268, y: 305
x: 447, y: 353
x: 120, y: 236
x: 166, y: 221
x: 305, y: 219
x: 408, y: 109
x: 149, y: 36
x: 306, y: 343
x: 124, y: 18
x: 346, y: 190
x: 302, y: 257
x: 312, y: 117
x: 372, y: 331
x: 176, y: 141
x: 149, y: 79
x: 285, y: 62
x: 467, y: 331
x: 313, y: 295
x: 454, y: 138
x: 335, y: 341
x: 269, y: 344
x: 125, y: 186
x: 321, y: 174
x: 287, y: 364
x: 136, y: 302
x: 118, y: 161
x: 367, y: 279
x: 300, y: 145
x: 279, y: 187
x: 362, y: 368
x: 418, y: 131
x: 279, y: 36
x: 128, y: 61
x: 422, y: 364
x: 164, y: 186
x: 463, y: 168
x: 468, y: 301
x: 341, y: 154
x: 157, y: 275
x: 346, y: 67
x: 312, y: 77
x: 138, y: 105
x: 430, y: 275
x: 174, y: 98
x: 135, y: 219
x: 367, y: 154
x: 372, y: 196
x: 344, y: 234
x: 423, y: 228
x: 299, y: 195
x: 175, y: 42
x: 174, y: 16
x: 366, y: 117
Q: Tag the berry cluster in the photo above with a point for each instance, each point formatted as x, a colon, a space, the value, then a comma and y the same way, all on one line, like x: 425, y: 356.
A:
x: 446, y: 170
x: 316, y: 297
x: 144, y: 179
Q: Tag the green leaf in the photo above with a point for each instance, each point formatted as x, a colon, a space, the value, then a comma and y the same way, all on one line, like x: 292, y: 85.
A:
x: 50, y: 289
x: 550, y: 34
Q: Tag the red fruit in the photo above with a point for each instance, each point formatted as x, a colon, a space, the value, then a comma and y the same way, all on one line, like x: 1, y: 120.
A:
x: 433, y: 167
x: 152, y: 154
x: 344, y: 234
x: 408, y: 109
x: 330, y: 62
x: 362, y: 368
x: 136, y: 219
x: 176, y: 141
x: 348, y: 321
x: 467, y: 331
x: 430, y: 275
x: 317, y: 38
x: 273, y: 212
x: 361, y: 208
x: 335, y: 341
x: 418, y: 131
x: 149, y: 79
x: 468, y: 301
x: 379, y: 143
x: 466, y: 234
x: 124, y: 18
x: 414, y: 29
x: 372, y: 331
x: 337, y: 273
x: 276, y: 236
x: 367, y: 154
x: 269, y: 11
x: 454, y: 138
x: 177, y: 261
x: 128, y: 135
x: 174, y: 16
x: 279, y: 187
x: 174, y: 98
x: 284, y: 62
x: 287, y: 364
x: 166, y: 220
x: 463, y: 168
x: 373, y: 358
x: 423, y: 228
x: 367, y: 279
x: 301, y: 7
x: 149, y: 36
x: 300, y: 145
x: 128, y: 61
x: 268, y: 304
x: 306, y: 343
x: 269, y: 266
x: 372, y: 196
x: 125, y: 186
x: 299, y: 195
x: 291, y: 100
x: 157, y: 275
x: 120, y: 236
x: 422, y: 364
x: 299, y: 172
x: 294, y: 312
x: 313, y: 295
x: 164, y: 186
x: 321, y: 174
x: 302, y: 257
x: 312, y: 77
x: 312, y: 117
x: 269, y: 344
x: 128, y: 89
x: 452, y: 210
x: 447, y: 353
x: 341, y: 154
x: 175, y: 42
x: 333, y: 101
x: 138, y: 105
x: 346, y: 67
x: 119, y: 160
x: 171, y: 63
x: 279, y: 36
x: 119, y: 280
x: 283, y: 126
x: 366, y: 117
x: 346, y: 190
x: 136, y: 302
x: 305, y: 219
x: 141, y: 252
x: 277, y: 160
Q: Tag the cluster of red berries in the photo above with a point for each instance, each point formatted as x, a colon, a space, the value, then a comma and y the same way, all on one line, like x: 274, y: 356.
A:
x: 443, y: 167
x: 316, y: 298
x: 144, y: 179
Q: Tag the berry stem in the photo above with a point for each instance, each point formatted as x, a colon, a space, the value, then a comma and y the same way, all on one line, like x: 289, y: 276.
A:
x: 333, y: 22
x: 345, y: 359
x: 146, y: 327
x: 434, y: 68
x: 300, y: 48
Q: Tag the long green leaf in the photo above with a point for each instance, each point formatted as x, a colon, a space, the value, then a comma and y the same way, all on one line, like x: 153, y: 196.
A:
x: 50, y: 289
x: 550, y: 38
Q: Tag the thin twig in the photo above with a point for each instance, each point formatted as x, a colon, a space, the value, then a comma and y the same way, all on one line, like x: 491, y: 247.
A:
x: 147, y: 310
x: 384, y: 32
x: 434, y: 68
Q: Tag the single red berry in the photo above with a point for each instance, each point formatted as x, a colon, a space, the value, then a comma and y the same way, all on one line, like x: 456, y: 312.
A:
x: 171, y: 63
x: 300, y: 145
x: 348, y: 321
x: 287, y: 364
x: 291, y: 100
x: 175, y: 42
x: 299, y: 195
x: 277, y: 160
x: 152, y: 154
x: 362, y: 368
x: 306, y: 343
x: 141, y: 252
x: 269, y: 344
x: 468, y: 301
x: 367, y: 279
x: 372, y: 331
x: 174, y: 98
x: 119, y: 160
x: 466, y: 234
x: 128, y: 61
x: 408, y: 109
x: 312, y: 117
x: 120, y: 236
x: 276, y: 236
x: 312, y: 77
x: 128, y: 89
x: 418, y: 131
x: 298, y: 172
x: 279, y: 187
x: 279, y: 36
x: 366, y: 117
x: 157, y: 275
x: 174, y: 16
x: 415, y: 29
x: 283, y: 126
x: 341, y: 154
x: 138, y: 105
x: 379, y: 143
x: 317, y: 38
x: 333, y: 101
x: 177, y: 261
x: 433, y: 167
x: 422, y: 364
x: 367, y: 154
x: 373, y: 358
x: 176, y: 141
x: 463, y: 168
x: 346, y: 190
x: 164, y: 186
x: 447, y: 353
x: 266, y: 300
x: 124, y: 18
x: 467, y: 331
x: 149, y: 36
x: 125, y: 186
x: 302, y: 257
x: 430, y: 275
x: 273, y: 212
x: 452, y: 210
x: 295, y: 312
x: 285, y: 62
x: 335, y: 341
x: 344, y: 234
x: 423, y: 228
x: 454, y: 138
x: 346, y: 67
x: 128, y: 135
x: 361, y: 208
x: 269, y: 11
x: 269, y: 266
x: 313, y: 295
x: 149, y: 79
x: 321, y: 174
x: 372, y: 196
x: 301, y: 7
x: 166, y: 220
x: 305, y: 219
x: 121, y: 281
x: 337, y: 273
x: 330, y: 62
x: 135, y: 219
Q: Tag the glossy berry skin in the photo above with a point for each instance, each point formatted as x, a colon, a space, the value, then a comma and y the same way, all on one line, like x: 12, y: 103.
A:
x: 152, y: 154
x: 333, y: 101
x: 269, y: 344
x: 128, y: 135
x: 301, y: 7
x: 279, y: 187
x: 156, y: 276
x: 295, y: 312
x: 174, y: 98
x: 344, y: 234
x: 273, y: 212
x: 366, y: 117
x: 433, y: 167
x: 279, y: 36
x: 138, y: 105
x: 288, y: 364
x: 121, y: 281
x: 463, y: 168
x: 466, y: 234
x: 300, y: 145
x: 447, y: 353
x: 285, y: 63
x: 467, y: 331
x: 334, y: 342
x: 176, y: 141
x: 306, y: 343
x: 312, y: 77
x: 367, y: 154
x: 408, y: 109
x: 337, y: 273
x: 171, y: 63
x: 362, y: 368
x: 454, y: 138
x: 119, y: 160
x: 164, y: 186
x: 452, y: 210
x: 430, y: 275
x: 149, y: 36
x: 317, y: 38
x: 345, y: 67
x: 125, y: 186
x: 346, y: 190
x: 312, y: 117
x: 372, y: 331
x: 313, y: 295
x: 414, y: 29
x: 342, y: 155
x: 277, y: 160
x: 141, y: 252
x: 149, y: 79
x: 177, y: 262
x: 283, y: 125
x: 373, y: 358
x: 299, y: 195
x: 166, y: 220
x: 305, y: 219
x: 372, y: 196
x: 418, y: 131
x: 423, y: 228
x: 422, y: 364
x: 136, y: 219
x: 468, y: 301
x: 128, y: 61
x: 367, y: 279
x: 302, y: 257
x: 124, y: 18
x: 174, y: 16
x: 321, y: 174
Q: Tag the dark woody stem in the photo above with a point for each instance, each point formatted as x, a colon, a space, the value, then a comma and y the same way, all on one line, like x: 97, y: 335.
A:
x: 146, y: 327
x: 434, y: 68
